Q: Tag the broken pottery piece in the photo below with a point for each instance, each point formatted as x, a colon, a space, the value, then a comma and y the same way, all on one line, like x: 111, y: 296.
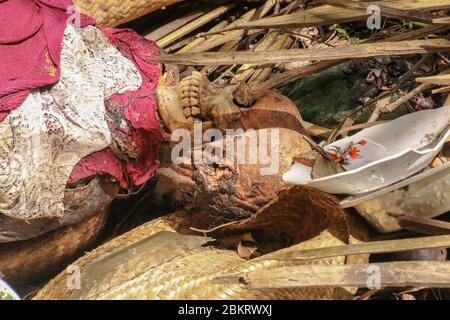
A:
x: 426, y: 195
x: 382, y: 155
x: 6, y: 292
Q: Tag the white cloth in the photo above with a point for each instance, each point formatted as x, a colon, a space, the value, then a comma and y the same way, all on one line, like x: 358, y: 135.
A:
x: 42, y: 140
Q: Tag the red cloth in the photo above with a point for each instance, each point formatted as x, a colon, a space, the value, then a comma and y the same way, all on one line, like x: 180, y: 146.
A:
x: 139, y: 109
x: 102, y: 162
x: 31, y: 33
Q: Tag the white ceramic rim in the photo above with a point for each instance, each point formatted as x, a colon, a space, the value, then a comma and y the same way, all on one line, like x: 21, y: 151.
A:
x: 398, y: 155
x: 9, y: 290
x: 437, y: 148
x: 355, y: 200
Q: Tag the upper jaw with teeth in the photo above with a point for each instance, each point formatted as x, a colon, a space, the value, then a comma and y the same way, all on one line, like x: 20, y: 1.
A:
x: 194, y: 98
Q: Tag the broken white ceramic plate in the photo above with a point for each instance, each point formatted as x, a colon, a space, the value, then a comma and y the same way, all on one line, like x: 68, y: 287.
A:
x: 427, y: 196
x: 6, y: 292
x: 392, y: 152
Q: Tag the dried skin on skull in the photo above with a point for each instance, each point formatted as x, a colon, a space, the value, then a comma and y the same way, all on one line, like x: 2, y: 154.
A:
x: 233, y: 190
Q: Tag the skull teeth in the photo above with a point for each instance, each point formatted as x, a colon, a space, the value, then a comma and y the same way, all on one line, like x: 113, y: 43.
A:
x: 195, y: 111
x: 188, y: 91
x: 187, y: 112
x: 185, y: 103
x: 193, y: 102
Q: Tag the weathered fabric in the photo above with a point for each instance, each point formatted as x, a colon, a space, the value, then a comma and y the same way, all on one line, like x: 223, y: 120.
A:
x: 43, y: 139
x: 31, y: 32
x: 132, y: 116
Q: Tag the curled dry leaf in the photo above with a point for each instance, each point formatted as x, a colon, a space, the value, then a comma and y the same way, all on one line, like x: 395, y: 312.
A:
x: 247, y: 250
x: 296, y: 215
x: 273, y: 110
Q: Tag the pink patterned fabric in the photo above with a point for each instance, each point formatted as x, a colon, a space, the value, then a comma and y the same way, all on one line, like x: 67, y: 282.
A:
x: 30, y: 47
x: 142, y: 129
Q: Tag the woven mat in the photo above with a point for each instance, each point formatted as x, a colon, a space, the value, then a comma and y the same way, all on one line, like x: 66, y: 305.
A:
x: 110, y: 13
